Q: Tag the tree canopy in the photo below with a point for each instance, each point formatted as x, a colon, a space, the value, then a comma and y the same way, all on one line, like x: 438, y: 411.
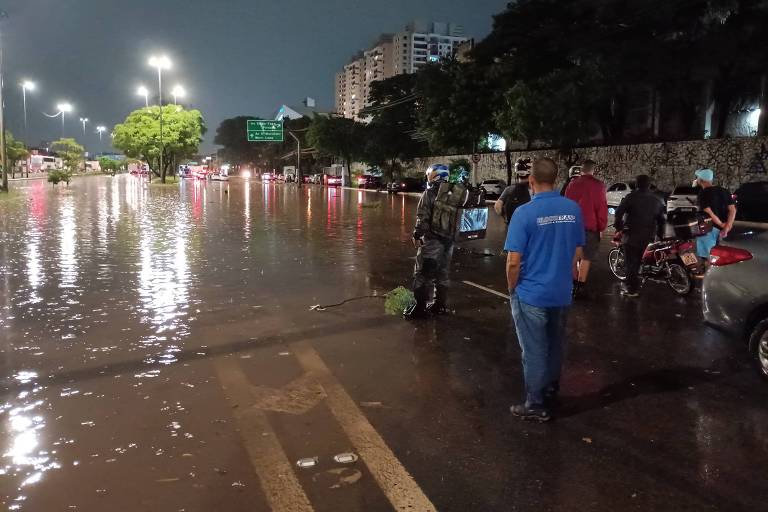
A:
x: 71, y: 153
x: 139, y: 136
x: 338, y: 137
x: 15, y: 151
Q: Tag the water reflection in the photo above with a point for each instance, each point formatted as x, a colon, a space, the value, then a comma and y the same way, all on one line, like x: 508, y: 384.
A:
x: 26, y: 458
x: 164, y: 279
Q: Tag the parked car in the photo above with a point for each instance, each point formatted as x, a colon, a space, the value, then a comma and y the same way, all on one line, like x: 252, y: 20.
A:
x: 333, y: 181
x: 217, y: 176
x: 493, y: 187
x: 406, y: 185
x: 316, y: 178
x: 267, y: 176
x: 617, y: 192
x: 683, y: 199
x: 370, y: 181
x: 752, y: 199
x: 735, y: 292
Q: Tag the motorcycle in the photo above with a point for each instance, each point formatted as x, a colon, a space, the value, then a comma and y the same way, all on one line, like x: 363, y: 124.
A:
x: 671, y: 260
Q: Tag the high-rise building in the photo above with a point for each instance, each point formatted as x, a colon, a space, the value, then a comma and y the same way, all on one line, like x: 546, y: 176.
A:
x: 421, y: 43
x: 393, y: 54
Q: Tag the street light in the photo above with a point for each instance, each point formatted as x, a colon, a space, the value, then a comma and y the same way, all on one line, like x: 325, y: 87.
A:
x: 26, y: 85
x: 143, y: 91
x: 178, y: 92
x: 84, y: 120
x: 162, y: 62
x: 100, y: 130
x: 63, y: 108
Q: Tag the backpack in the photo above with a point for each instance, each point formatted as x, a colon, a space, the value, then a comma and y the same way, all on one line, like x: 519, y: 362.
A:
x: 519, y: 196
x: 451, y: 198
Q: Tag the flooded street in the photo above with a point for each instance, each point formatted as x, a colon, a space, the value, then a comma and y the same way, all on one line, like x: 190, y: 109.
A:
x: 160, y: 352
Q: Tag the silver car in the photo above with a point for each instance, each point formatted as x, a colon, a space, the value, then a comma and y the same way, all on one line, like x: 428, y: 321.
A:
x: 736, y: 291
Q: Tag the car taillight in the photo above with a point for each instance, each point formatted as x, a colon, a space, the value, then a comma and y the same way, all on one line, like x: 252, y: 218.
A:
x: 722, y: 255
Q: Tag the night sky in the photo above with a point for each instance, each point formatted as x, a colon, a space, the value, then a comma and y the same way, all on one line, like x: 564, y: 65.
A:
x: 234, y: 57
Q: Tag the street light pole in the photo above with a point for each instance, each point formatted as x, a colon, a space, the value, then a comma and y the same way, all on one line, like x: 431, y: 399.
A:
x: 160, y: 63
x: 84, y: 120
x: 26, y: 85
x: 299, y: 178
x: 142, y: 91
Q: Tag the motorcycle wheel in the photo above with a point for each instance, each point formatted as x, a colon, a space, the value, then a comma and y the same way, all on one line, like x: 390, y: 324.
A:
x: 617, y: 263
x: 679, y: 279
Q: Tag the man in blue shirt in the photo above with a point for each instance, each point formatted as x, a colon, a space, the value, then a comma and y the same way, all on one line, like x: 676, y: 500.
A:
x: 544, y: 242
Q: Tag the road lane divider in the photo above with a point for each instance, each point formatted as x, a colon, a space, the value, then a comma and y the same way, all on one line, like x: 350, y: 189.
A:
x: 281, y: 487
x: 393, y: 479
x: 485, y: 289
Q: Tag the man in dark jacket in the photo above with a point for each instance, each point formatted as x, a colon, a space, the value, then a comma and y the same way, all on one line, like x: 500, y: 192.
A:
x: 641, y: 215
x: 517, y: 194
x: 434, y: 252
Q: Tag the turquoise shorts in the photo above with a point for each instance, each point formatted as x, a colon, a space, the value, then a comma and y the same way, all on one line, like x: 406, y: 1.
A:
x: 704, y: 244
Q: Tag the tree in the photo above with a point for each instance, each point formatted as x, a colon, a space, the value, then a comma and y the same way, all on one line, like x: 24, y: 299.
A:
x: 71, y: 153
x: 139, y: 136
x: 454, y: 110
x: 338, y: 137
x: 231, y: 134
x: 109, y: 164
x: 392, y: 133
x: 15, y: 151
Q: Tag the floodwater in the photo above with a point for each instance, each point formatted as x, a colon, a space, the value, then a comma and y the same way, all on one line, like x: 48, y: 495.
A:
x: 119, y: 300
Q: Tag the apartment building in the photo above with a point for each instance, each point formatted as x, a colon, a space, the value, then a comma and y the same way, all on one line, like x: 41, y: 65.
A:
x: 393, y: 54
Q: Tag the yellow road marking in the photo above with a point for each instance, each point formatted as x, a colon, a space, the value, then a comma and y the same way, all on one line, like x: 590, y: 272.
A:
x: 398, y: 485
x: 489, y: 290
x: 275, y: 471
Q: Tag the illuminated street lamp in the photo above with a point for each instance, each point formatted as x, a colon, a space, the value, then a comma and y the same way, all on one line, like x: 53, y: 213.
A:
x: 63, y: 109
x: 84, y: 120
x: 162, y: 62
x: 143, y: 91
x: 178, y: 92
x: 100, y: 130
x: 26, y: 85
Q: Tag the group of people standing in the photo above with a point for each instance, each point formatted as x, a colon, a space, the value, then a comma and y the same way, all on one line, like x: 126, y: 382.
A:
x: 552, y: 239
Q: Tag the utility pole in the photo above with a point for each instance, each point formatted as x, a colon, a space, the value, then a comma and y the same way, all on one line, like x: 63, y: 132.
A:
x: 299, y: 177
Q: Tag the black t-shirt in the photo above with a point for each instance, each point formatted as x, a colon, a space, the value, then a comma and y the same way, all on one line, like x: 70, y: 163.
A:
x: 512, y: 197
x: 718, y: 199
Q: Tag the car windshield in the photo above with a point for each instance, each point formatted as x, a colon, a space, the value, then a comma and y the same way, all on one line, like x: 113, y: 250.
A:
x: 686, y: 191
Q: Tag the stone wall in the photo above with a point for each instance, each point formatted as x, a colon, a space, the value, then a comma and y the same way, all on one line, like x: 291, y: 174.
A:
x: 734, y: 161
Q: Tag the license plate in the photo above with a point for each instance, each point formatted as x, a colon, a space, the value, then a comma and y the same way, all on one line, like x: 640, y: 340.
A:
x: 689, y: 259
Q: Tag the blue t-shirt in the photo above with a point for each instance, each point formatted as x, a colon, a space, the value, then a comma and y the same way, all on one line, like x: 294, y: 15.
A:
x: 546, y: 233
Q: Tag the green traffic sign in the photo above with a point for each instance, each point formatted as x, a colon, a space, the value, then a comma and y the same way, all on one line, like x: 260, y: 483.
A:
x: 265, y: 131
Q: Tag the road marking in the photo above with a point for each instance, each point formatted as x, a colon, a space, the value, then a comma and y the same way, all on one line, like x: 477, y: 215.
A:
x: 280, y: 485
x: 481, y: 287
x: 396, y: 483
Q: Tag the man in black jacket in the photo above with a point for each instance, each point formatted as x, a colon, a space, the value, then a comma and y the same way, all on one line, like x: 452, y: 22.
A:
x: 434, y: 252
x: 515, y: 195
x: 641, y: 215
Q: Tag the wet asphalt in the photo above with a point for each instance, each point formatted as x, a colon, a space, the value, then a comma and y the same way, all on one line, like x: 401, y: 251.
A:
x: 160, y: 352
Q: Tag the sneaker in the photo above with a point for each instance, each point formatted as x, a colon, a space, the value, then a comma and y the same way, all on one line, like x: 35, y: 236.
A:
x: 531, y: 413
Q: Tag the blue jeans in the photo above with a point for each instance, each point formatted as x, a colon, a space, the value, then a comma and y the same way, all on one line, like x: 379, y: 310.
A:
x: 541, y: 333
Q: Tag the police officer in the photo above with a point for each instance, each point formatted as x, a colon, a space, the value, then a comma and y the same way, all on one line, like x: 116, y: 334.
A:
x: 434, y: 254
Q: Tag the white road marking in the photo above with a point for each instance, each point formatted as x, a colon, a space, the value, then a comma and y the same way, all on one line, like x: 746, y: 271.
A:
x: 396, y: 483
x: 481, y: 287
x: 281, y: 487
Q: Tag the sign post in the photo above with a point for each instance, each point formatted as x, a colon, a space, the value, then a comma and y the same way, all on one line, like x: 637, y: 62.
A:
x: 264, y: 131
